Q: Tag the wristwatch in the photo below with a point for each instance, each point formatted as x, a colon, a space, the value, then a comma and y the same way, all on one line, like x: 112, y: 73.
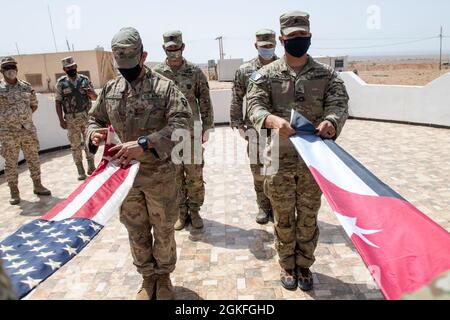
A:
x: 143, y: 142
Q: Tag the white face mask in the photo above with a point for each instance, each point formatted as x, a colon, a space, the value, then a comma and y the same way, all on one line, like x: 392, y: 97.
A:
x: 174, y: 55
x: 10, y: 74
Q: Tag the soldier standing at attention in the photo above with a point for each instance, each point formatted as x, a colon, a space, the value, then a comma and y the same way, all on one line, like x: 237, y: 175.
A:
x: 17, y: 103
x: 265, y: 44
x: 144, y: 108
x: 315, y: 90
x: 193, y: 83
x: 74, y: 93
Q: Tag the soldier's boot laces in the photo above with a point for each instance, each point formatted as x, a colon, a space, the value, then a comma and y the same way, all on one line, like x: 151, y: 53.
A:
x: 15, y: 195
x: 91, y: 166
x: 39, y: 189
x: 182, y: 220
x: 164, y: 288
x: 196, y: 220
x: 147, y: 291
x: 81, y: 173
x: 263, y: 216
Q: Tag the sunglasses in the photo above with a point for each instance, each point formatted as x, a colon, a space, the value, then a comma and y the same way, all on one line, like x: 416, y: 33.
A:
x: 9, y: 67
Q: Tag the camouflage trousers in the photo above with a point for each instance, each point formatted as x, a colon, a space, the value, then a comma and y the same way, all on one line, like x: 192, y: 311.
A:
x: 190, y: 183
x: 258, y: 177
x: 295, y: 198
x: 149, y: 213
x: 76, y: 127
x: 11, y: 144
x: 6, y: 291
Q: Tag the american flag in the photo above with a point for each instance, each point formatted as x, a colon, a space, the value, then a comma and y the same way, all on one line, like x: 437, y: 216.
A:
x: 39, y: 248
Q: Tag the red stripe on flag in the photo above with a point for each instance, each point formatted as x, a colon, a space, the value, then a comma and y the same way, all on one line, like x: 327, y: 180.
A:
x: 63, y: 204
x: 102, y: 195
x: 412, y: 249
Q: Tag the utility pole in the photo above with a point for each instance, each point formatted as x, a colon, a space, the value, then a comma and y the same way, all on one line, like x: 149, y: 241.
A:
x: 68, y: 46
x: 440, y: 50
x: 221, y: 53
x: 17, y: 48
x: 51, y: 25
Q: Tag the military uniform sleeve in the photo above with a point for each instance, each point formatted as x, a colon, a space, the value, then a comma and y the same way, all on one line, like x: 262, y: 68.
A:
x: 336, y: 103
x: 238, y: 92
x: 58, y: 92
x: 33, y: 99
x: 258, y: 100
x: 98, y: 118
x: 178, y: 116
x: 204, y: 102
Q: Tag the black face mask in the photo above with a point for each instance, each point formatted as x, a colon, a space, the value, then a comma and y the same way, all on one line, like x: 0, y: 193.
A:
x: 131, y: 74
x: 72, y: 73
x: 297, y: 47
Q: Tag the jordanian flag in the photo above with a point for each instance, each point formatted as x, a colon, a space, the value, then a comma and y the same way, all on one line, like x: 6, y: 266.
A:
x: 403, y: 248
x: 39, y: 248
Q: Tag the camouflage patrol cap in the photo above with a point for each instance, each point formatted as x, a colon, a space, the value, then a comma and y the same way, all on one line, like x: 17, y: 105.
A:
x: 265, y: 37
x: 7, y: 60
x: 68, y: 62
x: 294, y: 21
x: 127, y: 47
x: 173, y: 38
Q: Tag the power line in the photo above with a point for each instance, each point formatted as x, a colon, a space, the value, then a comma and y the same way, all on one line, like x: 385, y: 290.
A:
x: 380, y: 45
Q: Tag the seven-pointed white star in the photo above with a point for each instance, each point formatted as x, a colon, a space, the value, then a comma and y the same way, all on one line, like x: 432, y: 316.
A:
x: 6, y: 248
x: 53, y: 264
x: 76, y: 228
x: 31, y: 242
x: 63, y: 240
x: 45, y: 254
x: 31, y: 282
x: 83, y: 237
x: 10, y: 258
x: 350, y: 227
x: 16, y: 265
x: 70, y: 250
x: 36, y: 249
x: 24, y: 235
x: 23, y: 272
x: 42, y: 224
x: 55, y: 234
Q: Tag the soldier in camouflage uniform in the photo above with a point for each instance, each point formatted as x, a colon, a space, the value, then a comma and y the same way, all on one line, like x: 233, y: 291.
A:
x: 17, y: 103
x: 265, y: 44
x: 144, y: 108
x: 6, y: 291
x: 74, y: 93
x: 193, y: 83
x: 315, y: 90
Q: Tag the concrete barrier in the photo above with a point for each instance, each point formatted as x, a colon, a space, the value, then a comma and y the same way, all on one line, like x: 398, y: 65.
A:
x: 423, y: 105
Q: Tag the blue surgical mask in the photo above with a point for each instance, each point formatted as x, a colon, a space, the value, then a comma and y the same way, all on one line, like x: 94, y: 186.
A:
x: 265, y: 53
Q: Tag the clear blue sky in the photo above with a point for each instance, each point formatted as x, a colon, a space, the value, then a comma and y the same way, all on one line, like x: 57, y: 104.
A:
x: 335, y: 24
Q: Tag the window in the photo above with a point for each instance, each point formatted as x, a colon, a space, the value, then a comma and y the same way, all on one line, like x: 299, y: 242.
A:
x: 35, y: 79
x: 338, y: 63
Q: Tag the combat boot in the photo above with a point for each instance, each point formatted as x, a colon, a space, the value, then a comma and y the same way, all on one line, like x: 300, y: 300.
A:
x: 81, y: 173
x: 164, y: 288
x: 182, y: 220
x: 305, y: 279
x: 91, y: 166
x: 263, y: 216
x: 39, y: 189
x: 147, y: 291
x: 288, y: 279
x: 196, y: 220
x: 15, y: 194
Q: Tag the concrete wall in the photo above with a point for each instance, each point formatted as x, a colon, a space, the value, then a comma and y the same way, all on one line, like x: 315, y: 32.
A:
x: 425, y: 105
x: 49, y: 64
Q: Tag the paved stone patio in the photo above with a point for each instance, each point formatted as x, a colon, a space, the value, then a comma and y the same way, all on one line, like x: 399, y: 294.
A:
x: 233, y: 257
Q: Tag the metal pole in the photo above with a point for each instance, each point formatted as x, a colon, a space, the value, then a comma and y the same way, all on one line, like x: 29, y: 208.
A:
x: 440, y: 50
x: 51, y: 25
x: 17, y: 48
